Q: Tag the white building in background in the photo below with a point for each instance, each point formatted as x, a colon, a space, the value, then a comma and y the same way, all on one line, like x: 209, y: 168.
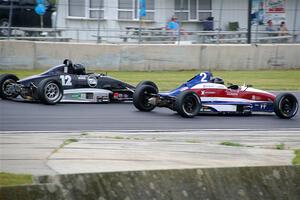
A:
x: 81, y: 17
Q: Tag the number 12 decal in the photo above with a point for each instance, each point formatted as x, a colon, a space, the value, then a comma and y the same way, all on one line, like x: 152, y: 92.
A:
x: 66, y: 80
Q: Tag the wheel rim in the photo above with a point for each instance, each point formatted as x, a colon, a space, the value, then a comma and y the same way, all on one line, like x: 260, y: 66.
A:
x: 52, y: 91
x: 147, y: 95
x: 190, y: 104
x: 6, y: 87
x: 287, y: 106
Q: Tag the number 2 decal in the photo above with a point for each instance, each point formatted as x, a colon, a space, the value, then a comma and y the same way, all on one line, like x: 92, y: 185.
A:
x: 66, y: 80
x: 204, y: 76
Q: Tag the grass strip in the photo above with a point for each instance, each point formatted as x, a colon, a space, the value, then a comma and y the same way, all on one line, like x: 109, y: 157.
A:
x: 280, y: 146
x: 8, y: 179
x: 65, y: 142
x: 232, y: 144
x: 296, y: 160
x: 166, y: 80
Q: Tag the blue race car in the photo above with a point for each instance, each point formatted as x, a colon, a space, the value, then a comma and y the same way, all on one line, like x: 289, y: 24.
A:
x: 205, y: 93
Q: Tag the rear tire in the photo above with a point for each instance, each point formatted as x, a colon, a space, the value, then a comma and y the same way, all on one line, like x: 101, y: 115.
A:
x: 188, y: 104
x: 286, y: 105
x: 147, y: 83
x: 141, y: 97
x: 50, y: 91
x: 5, y: 81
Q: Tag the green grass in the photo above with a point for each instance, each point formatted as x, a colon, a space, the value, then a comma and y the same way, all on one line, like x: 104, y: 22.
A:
x: 262, y: 79
x: 232, y: 144
x: 7, y: 179
x: 280, y: 146
x: 193, y: 141
x: 22, y: 73
x: 164, y: 140
x: 66, y: 142
x: 296, y: 160
x: 118, y: 137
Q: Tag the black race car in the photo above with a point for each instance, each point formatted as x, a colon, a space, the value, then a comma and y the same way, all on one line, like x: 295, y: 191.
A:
x: 65, y: 83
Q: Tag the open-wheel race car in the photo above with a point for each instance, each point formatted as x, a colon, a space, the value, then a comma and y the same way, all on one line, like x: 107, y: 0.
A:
x: 65, y: 83
x: 207, y: 94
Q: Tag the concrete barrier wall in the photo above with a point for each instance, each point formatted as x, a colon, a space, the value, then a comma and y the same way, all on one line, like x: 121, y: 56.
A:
x: 259, y: 183
x: 126, y: 57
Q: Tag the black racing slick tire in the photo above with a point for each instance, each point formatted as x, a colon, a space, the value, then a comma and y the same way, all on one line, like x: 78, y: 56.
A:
x: 7, y: 80
x: 286, y: 105
x: 188, y: 104
x: 50, y: 91
x: 147, y: 83
x: 141, y: 97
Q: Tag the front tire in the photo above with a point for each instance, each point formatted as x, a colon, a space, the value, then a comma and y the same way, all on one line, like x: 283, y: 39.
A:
x: 188, y: 104
x: 286, y: 105
x: 7, y: 80
x: 141, y: 97
x: 50, y: 91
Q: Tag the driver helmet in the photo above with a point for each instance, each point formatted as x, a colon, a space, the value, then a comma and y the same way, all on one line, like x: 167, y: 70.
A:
x: 217, y: 80
x: 79, y: 69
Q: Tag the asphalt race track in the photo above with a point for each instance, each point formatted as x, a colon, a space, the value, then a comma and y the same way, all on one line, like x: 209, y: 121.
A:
x: 25, y: 116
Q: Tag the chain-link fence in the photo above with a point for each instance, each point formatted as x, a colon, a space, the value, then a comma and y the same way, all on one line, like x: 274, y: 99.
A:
x: 164, y: 21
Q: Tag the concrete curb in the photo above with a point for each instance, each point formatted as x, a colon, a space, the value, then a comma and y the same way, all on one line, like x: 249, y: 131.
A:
x: 273, y: 182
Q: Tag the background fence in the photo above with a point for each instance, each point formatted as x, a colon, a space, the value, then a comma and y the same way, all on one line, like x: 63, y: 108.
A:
x: 199, y: 21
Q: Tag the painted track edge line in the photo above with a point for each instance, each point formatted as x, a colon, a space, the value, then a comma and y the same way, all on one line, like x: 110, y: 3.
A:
x: 153, y: 131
